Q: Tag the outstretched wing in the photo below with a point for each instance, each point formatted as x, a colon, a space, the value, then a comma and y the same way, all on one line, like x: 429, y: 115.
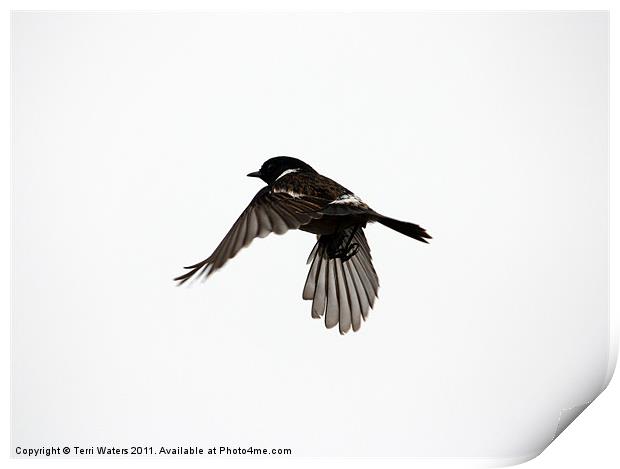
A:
x: 269, y: 212
x: 342, y: 290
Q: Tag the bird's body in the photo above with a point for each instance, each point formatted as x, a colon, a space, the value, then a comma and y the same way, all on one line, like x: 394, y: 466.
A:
x: 342, y: 282
x: 322, y: 188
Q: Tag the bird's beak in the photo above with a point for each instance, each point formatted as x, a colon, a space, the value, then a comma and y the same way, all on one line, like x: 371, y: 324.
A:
x: 255, y: 174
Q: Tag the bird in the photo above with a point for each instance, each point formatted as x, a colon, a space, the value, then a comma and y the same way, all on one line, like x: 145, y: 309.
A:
x: 342, y: 282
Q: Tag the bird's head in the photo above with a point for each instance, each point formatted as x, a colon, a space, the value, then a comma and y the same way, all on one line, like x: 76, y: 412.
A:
x: 273, y: 168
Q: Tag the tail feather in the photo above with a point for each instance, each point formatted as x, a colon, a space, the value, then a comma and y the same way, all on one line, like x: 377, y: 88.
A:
x: 408, y: 229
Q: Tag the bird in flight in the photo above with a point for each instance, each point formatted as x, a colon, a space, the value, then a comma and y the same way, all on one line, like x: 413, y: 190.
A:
x: 342, y: 282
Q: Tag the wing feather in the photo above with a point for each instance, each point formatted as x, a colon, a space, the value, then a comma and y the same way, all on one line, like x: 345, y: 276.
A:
x: 264, y: 224
x: 360, y: 289
x: 268, y: 212
x: 319, y: 302
x: 252, y: 228
x: 343, y: 298
x: 331, y: 312
x: 344, y: 291
x: 356, y: 312
x: 310, y: 287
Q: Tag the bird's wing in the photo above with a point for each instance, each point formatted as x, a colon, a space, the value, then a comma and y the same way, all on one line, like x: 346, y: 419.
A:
x: 268, y: 212
x: 343, y: 291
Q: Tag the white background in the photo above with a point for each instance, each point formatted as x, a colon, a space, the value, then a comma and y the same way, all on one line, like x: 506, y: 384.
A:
x: 363, y: 155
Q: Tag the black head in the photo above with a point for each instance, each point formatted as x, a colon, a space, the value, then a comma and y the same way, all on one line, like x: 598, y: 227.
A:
x: 273, y: 168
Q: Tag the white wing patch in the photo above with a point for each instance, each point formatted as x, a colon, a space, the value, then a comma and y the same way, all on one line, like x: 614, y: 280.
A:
x: 350, y: 199
x: 288, y: 171
x: 293, y: 194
